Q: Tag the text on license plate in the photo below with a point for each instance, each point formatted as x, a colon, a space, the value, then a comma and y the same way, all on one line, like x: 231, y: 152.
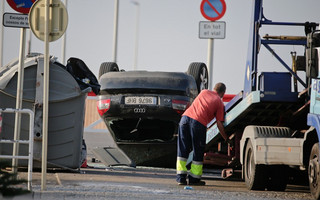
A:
x: 140, y: 100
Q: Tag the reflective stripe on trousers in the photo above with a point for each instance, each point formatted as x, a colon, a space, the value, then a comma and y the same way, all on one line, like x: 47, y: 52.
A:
x: 181, y: 165
x: 196, y: 169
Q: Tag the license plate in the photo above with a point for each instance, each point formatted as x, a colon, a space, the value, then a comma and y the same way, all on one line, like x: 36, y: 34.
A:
x: 140, y: 100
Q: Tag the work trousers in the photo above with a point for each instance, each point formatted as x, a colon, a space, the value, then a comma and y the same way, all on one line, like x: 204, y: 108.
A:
x: 191, y: 136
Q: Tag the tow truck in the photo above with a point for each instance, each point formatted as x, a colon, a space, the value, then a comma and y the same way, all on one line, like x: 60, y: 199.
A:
x: 273, y: 126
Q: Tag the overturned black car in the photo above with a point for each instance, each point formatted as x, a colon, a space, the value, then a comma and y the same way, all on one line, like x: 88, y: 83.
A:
x: 142, y: 109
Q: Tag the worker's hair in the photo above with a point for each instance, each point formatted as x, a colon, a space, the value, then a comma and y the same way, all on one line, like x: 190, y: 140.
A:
x: 220, y: 88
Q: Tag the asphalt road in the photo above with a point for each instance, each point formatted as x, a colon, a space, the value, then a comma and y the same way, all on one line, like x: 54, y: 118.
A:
x: 99, y: 182
x: 146, y: 183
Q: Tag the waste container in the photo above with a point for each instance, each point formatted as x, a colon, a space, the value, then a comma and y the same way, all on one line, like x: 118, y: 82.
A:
x: 66, y: 111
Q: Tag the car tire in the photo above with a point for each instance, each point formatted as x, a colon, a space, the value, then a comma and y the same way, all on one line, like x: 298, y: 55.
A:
x: 108, y: 67
x: 199, y: 72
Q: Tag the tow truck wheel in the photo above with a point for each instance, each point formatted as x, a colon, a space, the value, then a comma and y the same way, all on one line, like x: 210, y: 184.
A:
x: 108, y: 67
x: 253, y: 173
x: 314, y: 172
x: 199, y: 72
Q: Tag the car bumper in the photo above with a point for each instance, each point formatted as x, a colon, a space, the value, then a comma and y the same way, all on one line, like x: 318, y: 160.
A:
x: 162, y: 109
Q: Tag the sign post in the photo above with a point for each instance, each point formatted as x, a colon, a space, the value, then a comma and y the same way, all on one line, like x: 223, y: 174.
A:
x: 45, y: 99
x: 48, y: 30
x: 211, y: 10
x: 22, y: 6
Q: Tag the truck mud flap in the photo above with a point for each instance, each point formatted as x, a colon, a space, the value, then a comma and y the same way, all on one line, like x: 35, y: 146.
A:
x: 112, y: 156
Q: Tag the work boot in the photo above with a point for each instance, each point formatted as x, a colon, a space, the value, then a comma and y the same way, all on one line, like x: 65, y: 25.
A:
x: 182, y: 182
x: 181, y: 179
x: 197, y: 183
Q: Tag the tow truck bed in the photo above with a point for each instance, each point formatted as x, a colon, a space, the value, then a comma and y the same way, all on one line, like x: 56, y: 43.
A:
x: 254, y: 109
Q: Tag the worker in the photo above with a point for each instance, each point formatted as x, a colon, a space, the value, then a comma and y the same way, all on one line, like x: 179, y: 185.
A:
x: 192, y: 133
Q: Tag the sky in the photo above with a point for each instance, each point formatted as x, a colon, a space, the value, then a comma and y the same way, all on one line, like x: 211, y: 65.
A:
x: 168, y: 36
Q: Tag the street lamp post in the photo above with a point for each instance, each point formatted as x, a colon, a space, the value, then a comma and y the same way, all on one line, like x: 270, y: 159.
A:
x: 135, y: 64
x: 115, y: 30
x: 29, y: 42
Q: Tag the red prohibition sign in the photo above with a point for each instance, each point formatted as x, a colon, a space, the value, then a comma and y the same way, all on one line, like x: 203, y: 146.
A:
x: 213, y: 9
x: 22, y: 6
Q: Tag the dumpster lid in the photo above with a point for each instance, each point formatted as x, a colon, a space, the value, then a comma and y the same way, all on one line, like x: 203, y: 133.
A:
x: 62, y: 84
x: 8, y: 71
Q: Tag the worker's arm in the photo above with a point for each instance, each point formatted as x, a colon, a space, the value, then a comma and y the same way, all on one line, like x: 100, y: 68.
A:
x: 221, y: 129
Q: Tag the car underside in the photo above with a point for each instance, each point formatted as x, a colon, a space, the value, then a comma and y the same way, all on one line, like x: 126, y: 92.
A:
x: 142, y: 130
x: 142, y: 109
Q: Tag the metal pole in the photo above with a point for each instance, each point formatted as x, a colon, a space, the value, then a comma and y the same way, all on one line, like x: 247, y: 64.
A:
x: 45, y: 100
x: 115, y: 30
x: 294, y: 69
x: 17, y: 122
x: 135, y: 64
x: 1, y: 34
x: 210, y: 62
x: 29, y: 43
x: 64, y: 41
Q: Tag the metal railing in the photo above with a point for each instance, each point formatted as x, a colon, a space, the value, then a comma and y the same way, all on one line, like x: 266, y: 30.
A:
x: 30, y: 141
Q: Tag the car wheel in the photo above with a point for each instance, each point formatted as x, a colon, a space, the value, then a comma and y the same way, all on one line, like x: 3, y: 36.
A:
x: 199, y: 72
x: 108, y: 67
x: 253, y: 173
x: 314, y: 172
